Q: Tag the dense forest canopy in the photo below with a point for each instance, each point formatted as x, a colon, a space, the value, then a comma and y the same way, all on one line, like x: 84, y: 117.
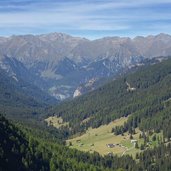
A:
x: 18, y: 97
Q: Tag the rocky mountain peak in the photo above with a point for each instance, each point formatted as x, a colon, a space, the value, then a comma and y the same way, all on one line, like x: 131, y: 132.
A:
x: 63, y: 62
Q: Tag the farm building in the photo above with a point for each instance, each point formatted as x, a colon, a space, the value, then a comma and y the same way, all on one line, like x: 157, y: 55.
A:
x: 110, y: 145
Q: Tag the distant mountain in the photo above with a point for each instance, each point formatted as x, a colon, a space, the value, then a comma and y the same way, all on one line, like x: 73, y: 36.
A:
x: 58, y: 63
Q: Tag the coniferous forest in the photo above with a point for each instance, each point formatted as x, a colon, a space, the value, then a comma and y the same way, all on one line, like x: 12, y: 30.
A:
x: 149, y: 104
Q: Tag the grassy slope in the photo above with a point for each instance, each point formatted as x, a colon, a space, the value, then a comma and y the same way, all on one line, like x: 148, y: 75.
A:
x: 97, y: 138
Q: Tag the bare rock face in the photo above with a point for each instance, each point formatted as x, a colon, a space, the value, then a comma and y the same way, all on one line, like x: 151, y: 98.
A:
x: 77, y: 92
x: 58, y: 62
x: 84, y: 88
x: 90, y: 85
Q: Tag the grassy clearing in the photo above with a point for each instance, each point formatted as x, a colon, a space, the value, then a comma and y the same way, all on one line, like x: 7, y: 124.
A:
x: 57, y: 122
x: 98, y: 139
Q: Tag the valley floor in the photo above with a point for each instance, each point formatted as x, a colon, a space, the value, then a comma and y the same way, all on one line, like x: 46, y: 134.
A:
x: 103, y: 141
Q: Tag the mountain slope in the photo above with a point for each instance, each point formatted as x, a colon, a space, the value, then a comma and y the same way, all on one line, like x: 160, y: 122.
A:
x: 25, y: 149
x: 19, y: 98
x: 22, y: 150
x: 136, y: 94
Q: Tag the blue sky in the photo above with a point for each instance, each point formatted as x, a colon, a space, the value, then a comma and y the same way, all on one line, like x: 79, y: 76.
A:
x: 86, y: 18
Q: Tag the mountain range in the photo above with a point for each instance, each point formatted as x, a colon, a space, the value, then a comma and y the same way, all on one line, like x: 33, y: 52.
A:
x: 59, y: 64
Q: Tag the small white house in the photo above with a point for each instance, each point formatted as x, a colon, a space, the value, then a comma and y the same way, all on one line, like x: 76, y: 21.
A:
x: 133, y: 141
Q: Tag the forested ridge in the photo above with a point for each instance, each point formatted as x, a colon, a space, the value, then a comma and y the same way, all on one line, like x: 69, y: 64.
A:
x: 148, y: 102
x: 20, y: 99
x: 23, y: 150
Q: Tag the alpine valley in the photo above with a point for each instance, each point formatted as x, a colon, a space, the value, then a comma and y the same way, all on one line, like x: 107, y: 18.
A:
x: 65, y: 66
x: 120, y: 121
